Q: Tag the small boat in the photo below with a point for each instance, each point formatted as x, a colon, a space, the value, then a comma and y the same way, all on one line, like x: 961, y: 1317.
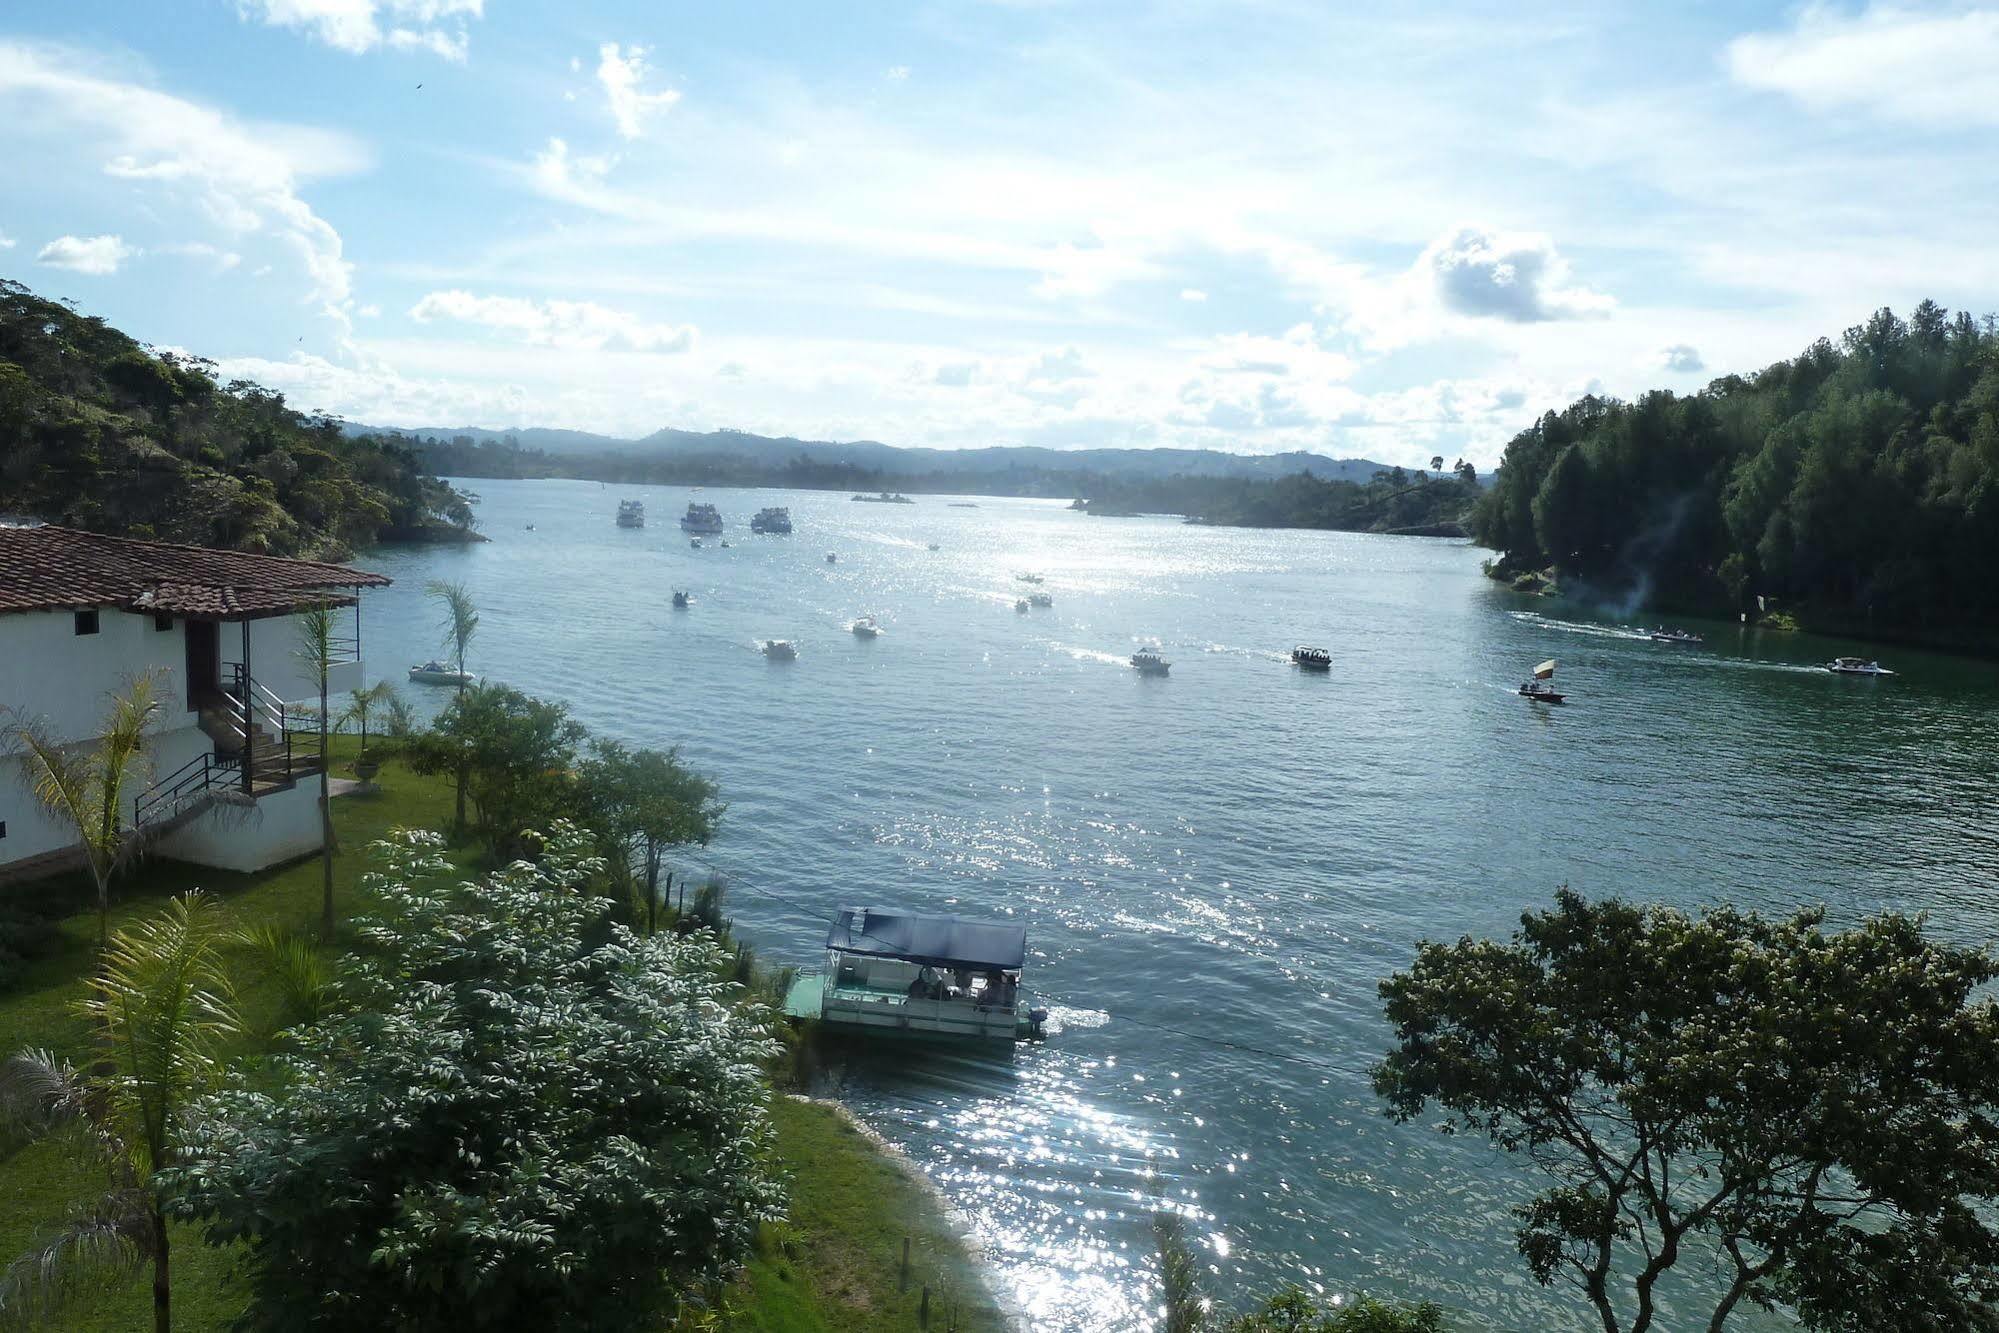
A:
x: 437, y: 672
x: 832, y: 559
x: 963, y: 504
x: 1856, y: 666
x: 1664, y: 635
x: 701, y: 518
x: 780, y: 650
x: 1020, y: 605
x: 694, y: 542
x: 865, y: 628
x: 725, y: 543
x: 631, y: 514
x: 1028, y: 578
x: 1311, y: 659
x: 1148, y: 662
x: 1040, y: 599
x: 884, y: 498
x: 530, y: 527
x: 774, y: 519
x: 1542, y: 687
x: 933, y: 546
x: 899, y: 975
x: 681, y: 601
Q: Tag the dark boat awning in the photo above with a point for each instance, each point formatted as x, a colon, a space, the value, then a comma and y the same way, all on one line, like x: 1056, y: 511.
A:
x: 948, y: 941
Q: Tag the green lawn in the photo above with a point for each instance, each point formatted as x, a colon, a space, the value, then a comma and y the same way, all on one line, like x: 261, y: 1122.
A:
x: 833, y: 1266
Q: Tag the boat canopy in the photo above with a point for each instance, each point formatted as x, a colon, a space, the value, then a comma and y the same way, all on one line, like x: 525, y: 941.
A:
x: 945, y: 941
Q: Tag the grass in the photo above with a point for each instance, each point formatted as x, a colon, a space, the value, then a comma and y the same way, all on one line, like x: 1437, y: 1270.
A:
x: 829, y: 1269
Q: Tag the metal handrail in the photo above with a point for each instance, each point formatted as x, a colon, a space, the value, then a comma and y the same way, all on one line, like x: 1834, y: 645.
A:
x: 193, y: 778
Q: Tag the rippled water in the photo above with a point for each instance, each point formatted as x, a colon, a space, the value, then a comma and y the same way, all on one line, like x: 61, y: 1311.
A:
x: 1235, y: 854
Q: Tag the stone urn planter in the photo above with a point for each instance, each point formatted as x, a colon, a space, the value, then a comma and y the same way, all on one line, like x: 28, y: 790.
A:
x: 366, y: 767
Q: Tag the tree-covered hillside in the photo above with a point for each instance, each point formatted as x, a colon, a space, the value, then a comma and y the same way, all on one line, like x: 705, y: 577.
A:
x: 100, y: 432
x: 1392, y: 500
x: 1856, y: 487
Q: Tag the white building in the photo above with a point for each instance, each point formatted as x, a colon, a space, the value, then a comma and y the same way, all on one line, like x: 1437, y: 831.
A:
x: 81, y: 615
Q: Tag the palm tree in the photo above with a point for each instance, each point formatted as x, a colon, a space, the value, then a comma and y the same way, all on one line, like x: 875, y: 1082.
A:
x: 461, y: 621
x: 164, y: 1009
x: 364, y: 705
x: 86, y: 786
x: 315, y: 652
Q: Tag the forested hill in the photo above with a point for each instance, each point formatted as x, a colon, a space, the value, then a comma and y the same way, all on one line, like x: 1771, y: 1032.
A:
x: 1392, y: 500
x: 99, y: 432
x: 1855, y: 487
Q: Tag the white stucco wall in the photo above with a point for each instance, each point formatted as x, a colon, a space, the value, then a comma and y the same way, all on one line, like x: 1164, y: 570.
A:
x: 274, y: 657
x: 51, y: 672
x: 278, y: 827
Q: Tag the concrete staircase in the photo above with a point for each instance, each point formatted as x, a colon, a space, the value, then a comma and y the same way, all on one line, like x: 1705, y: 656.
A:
x: 271, y: 769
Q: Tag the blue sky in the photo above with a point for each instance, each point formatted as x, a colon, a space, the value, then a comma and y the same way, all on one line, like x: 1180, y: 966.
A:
x: 1384, y: 230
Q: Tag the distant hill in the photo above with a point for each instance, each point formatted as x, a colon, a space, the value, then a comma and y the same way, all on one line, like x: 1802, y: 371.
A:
x: 764, y: 451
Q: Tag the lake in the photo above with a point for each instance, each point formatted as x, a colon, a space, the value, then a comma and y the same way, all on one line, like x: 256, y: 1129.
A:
x: 1216, y: 868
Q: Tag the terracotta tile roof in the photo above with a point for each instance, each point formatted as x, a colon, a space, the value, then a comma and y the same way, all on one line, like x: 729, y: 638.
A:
x: 47, y: 567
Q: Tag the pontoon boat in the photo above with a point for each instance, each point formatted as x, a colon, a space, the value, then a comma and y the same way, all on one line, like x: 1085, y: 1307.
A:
x: 631, y: 514
x: 1856, y: 666
x: 1040, y: 599
x: 775, y: 519
x: 1148, y: 662
x: 701, y: 518
x: 1311, y: 659
x: 897, y: 974
x: 780, y: 650
x: 865, y: 628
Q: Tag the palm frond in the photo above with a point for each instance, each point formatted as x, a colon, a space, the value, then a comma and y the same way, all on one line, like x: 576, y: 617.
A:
x: 39, y: 1091
x: 110, y: 1241
x: 461, y: 616
x: 305, y: 977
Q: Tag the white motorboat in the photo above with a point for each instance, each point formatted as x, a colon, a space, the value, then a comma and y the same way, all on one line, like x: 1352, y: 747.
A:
x: 694, y: 542
x: 631, y: 514
x: 774, y: 519
x: 1148, y: 662
x: 701, y: 518
x: 896, y: 975
x: 1040, y: 599
x: 1311, y: 659
x: 438, y: 672
x: 1664, y: 635
x: 866, y: 628
x: 1856, y: 666
x: 780, y: 650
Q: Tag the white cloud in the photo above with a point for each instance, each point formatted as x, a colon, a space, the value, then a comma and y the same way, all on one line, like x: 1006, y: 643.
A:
x: 219, y: 259
x: 98, y: 256
x: 358, y: 26
x: 1192, y: 294
x: 621, y: 76
x: 1680, y: 358
x: 1518, y: 278
x: 1920, y: 66
x: 370, y: 311
x: 243, y: 177
x: 897, y: 73
x: 566, y: 324
x: 955, y: 375
x: 7, y: 242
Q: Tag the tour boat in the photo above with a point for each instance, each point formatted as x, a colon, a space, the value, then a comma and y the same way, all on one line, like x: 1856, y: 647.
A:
x: 1148, y: 662
x: 435, y: 672
x: 775, y: 519
x: 1020, y: 605
x: 1312, y: 659
x: 1856, y: 666
x: 884, y: 498
x: 1542, y: 687
x: 1040, y: 599
x: 701, y: 518
x: 1663, y: 635
x: 900, y: 975
x: 681, y: 601
x: 780, y: 650
x: 1028, y: 578
x: 865, y: 628
x: 631, y: 514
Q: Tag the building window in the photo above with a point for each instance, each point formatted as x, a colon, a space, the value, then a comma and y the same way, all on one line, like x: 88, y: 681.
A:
x: 163, y: 623
x: 86, y: 621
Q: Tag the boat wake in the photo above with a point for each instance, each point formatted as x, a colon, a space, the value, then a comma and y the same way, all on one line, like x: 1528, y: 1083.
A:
x: 1092, y: 654
x: 1583, y: 627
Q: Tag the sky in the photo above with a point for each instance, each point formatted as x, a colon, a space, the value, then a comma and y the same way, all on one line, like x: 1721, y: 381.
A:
x: 1381, y: 231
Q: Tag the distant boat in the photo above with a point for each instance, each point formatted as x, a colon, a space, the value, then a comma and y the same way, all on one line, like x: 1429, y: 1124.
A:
x: 866, y: 628
x: 436, y: 672
x: 961, y: 504
x: 1542, y: 688
x: 775, y: 519
x: 530, y: 527
x: 933, y: 546
x: 1856, y: 666
x: 884, y: 498
x: 631, y: 514
x: 1312, y: 659
x: 1028, y: 578
x: 832, y: 559
x: 694, y: 542
x: 701, y: 518
x: 1663, y: 635
x: 725, y: 543
x: 1148, y: 662
x: 1040, y: 599
x: 780, y: 650
x: 681, y: 601
x: 1021, y: 606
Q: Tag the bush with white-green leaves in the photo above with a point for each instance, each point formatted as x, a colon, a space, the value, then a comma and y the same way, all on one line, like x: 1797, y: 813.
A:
x: 522, y: 1115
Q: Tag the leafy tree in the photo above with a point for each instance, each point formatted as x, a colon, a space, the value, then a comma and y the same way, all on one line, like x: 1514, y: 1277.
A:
x: 363, y: 706
x: 90, y: 787
x: 1813, y: 1110
x: 461, y: 622
x: 516, y: 754
x: 643, y: 803
x: 1185, y: 1308
x: 316, y: 652
x: 163, y: 1011
x: 531, y: 1117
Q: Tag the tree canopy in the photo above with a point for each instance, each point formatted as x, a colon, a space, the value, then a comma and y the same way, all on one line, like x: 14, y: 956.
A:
x: 515, y: 755
x: 100, y: 432
x: 1857, y: 483
x: 526, y: 1117
x: 1811, y: 1109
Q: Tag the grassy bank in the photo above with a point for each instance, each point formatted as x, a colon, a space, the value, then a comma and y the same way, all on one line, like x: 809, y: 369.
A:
x: 833, y: 1266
